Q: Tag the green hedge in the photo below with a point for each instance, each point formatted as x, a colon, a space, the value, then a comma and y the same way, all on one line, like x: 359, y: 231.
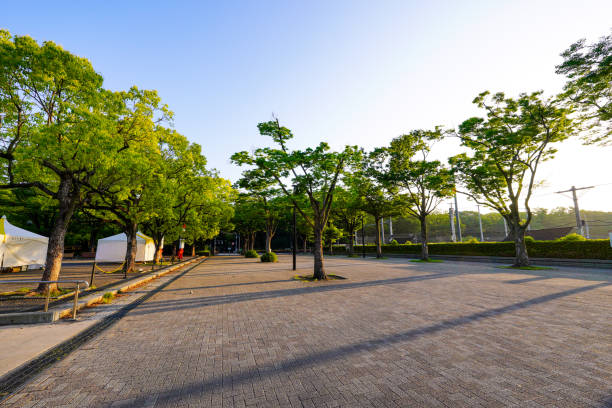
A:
x: 590, y: 249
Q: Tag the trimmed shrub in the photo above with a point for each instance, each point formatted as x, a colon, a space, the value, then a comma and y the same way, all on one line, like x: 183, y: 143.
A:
x: 203, y: 252
x: 529, y: 239
x: 251, y: 253
x: 269, y: 257
x: 589, y: 249
x: 572, y: 237
x: 393, y: 242
x: 470, y: 240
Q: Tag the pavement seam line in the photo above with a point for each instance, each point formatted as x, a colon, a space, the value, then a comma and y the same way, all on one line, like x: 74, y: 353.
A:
x: 14, y: 380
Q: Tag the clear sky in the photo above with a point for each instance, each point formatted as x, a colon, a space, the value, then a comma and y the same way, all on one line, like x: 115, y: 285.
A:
x: 347, y: 72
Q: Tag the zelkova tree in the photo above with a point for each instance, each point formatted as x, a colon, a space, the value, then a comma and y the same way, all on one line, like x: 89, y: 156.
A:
x: 247, y: 219
x: 314, y: 172
x: 377, y: 195
x: 423, y: 183
x: 507, y: 148
x: 209, y: 212
x: 589, y: 87
x: 57, y: 120
x: 347, y: 213
x: 188, y: 194
x: 258, y: 185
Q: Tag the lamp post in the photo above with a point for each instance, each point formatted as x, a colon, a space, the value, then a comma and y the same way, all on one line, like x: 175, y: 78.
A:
x: 294, y: 238
x: 362, y: 238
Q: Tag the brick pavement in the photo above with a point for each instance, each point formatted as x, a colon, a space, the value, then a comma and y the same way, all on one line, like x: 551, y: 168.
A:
x: 239, y: 333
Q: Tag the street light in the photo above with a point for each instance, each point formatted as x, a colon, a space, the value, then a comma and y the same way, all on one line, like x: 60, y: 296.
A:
x: 362, y: 238
x: 294, y: 243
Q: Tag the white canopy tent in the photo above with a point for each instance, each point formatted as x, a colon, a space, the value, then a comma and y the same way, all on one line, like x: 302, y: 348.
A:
x: 112, y: 249
x: 20, y: 247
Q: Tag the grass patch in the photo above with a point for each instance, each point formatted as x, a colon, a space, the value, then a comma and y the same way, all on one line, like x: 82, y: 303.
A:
x: 55, y: 293
x: 309, y: 278
x: 20, y: 291
x: 426, y: 260
x: 527, y: 268
x: 108, y: 297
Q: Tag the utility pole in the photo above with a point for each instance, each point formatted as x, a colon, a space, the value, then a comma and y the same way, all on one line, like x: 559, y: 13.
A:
x: 382, y: 229
x: 576, y: 209
x: 451, y: 216
x: 505, y: 228
x: 294, y: 241
x: 458, y: 220
x: 390, y: 228
x: 480, y: 224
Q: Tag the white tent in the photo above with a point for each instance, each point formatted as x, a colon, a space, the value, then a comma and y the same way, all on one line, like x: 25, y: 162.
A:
x: 20, y: 247
x: 112, y: 249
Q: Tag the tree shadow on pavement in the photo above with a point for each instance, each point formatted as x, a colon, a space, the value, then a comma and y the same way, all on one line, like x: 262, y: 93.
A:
x: 181, y: 304
x: 258, y: 373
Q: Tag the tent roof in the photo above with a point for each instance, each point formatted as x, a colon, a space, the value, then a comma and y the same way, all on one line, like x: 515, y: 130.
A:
x: 10, y: 230
x: 122, y: 237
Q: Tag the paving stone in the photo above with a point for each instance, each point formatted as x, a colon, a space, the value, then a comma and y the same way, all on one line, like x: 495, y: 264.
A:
x: 238, y: 333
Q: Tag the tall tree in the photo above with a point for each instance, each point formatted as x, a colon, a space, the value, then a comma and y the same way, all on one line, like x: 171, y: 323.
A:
x: 589, y: 87
x: 248, y: 219
x: 424, y: 183
x: 255, y: 183
x: 507, y: 148
x: 377, y: 195
x: 57, y: 120
x: 347, y: 212
x: 314, y: 172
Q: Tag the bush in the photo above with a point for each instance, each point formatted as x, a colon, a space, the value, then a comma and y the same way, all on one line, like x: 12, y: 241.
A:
x: 393, y: 242
x: 269, y: 257
x: 251, y: 253
x: 573, y: 237
x: 588, y: 249
x: 470, y: 240
x: 108, y: 297
x: 529, y: 239
x: 203, y: 252
x: 408, y: 242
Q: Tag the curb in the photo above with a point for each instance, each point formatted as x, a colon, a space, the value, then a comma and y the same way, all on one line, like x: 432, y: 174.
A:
x: 96, y: 298
x: 15, y: 379
x: 61, y: 311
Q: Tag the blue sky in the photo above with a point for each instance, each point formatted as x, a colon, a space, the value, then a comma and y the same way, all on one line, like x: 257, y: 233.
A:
x: 347, y: 72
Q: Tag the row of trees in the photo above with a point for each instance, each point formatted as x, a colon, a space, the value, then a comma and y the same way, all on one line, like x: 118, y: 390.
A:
x: 76, y: 146
x: 504, y: 149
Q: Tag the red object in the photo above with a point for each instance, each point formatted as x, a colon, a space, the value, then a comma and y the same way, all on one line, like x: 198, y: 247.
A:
x: 180, y: 253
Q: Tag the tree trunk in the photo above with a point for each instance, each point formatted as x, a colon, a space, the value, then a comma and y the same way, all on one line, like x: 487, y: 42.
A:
x: 193, y: 249
x: 424, y: 247
x: 305, y: 243
x: 351, y: 243
x: 159, y: 249
x: 268, y: 241
x: 67, y: 196
x: 378, y: 244
x: 319, y: 267
x: 521, y: 258
x: 92, y: 239
x: 130, y: 253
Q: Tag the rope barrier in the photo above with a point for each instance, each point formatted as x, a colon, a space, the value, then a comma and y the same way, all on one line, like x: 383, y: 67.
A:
x: 116, y: 270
